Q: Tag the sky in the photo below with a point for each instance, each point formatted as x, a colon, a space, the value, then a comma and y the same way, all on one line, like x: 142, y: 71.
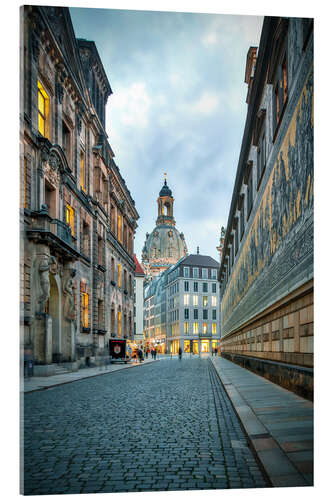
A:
x: 178, y: 106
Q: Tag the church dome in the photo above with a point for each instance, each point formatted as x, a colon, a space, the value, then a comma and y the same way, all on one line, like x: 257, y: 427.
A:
x: 164, y: 245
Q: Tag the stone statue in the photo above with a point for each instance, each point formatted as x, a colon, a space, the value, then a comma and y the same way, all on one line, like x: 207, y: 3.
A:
x: 222, y: 232
x: 44, y: 282
x: 53, y: 265
x: 69, y: 305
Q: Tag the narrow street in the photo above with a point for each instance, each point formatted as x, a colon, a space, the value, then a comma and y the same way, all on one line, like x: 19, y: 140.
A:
x: 164, y: 426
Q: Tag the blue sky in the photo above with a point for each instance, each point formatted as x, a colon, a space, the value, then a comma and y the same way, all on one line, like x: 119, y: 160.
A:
x: 178, y: 106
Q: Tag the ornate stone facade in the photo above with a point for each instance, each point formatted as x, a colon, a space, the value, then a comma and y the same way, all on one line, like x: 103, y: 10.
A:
x: 266, y: 272
x: 164, y: 245
x: 78, y: 218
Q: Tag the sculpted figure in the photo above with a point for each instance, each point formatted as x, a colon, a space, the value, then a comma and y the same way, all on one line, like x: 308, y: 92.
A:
x: 69, y: 305
x: 53, y: 265
x: 44, y: 282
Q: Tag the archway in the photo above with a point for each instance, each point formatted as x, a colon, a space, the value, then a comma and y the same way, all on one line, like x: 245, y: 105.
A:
x: 54, y: 312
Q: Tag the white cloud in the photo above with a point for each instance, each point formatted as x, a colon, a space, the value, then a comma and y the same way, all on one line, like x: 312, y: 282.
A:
x: 210, y: 38
x: 132, y: 104
x: 207, y: 103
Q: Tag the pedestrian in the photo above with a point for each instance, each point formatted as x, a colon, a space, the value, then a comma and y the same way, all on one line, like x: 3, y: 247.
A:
x: 152, y: 352
x: 140, y: 353
x: 146, y: 353
x: 180, y: 353
x: 215, y: 351
x: 155, y: 352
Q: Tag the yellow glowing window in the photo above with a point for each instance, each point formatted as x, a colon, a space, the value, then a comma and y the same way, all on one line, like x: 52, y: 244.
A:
x: 82, y: 172
x: 70, y: 218
x: 186, y: 299
x: 214, y: 328
x: 204, y: 327
x: 186, y: 327
x: 43, y: 110
x: 213, y: 301
x: 119, y: 323
x: 119, y: 229
x: 205, y: 300
x: 195, y: 327
x: 195, y: 300
x: 119, y: 275
x: 85, y: 309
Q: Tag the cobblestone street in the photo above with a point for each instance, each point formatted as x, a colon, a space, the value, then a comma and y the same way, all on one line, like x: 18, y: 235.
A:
x: 164, y: 426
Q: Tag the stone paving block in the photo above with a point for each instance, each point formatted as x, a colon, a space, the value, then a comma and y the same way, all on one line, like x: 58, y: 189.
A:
x: 172, y: 436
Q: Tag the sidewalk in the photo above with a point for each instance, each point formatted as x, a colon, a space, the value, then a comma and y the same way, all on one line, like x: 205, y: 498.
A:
x: 39, y: 383
x: 279, y: 423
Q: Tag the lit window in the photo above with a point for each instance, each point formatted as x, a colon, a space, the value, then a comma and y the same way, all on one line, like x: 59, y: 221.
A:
x: 204, y: 328
x: 214, y: 300
x: 119, y: 228
x: 205, y: 300
x: 195, y: 328
x: 214, y: 328
x: 195, y: 300
x: 43, y: 110
x: 85, y: 309
x: 82, y: 172
x: 119, y: 323
x: 119, y: 275
x: 186, y: 327
x: 70, y: 218
x: 186, y: 299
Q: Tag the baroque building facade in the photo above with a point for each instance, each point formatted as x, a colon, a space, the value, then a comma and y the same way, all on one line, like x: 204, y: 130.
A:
x: 164, y: 246
x: 78, y: 219
x: 266, y: 271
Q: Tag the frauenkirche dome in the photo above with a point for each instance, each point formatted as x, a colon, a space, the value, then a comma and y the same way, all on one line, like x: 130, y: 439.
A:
x: 164, y: 245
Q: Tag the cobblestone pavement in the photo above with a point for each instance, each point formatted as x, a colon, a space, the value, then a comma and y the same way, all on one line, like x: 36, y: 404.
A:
x: 164, y: 426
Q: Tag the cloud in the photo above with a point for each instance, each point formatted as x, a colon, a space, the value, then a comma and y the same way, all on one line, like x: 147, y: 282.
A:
x: 207, y: 104
x: 133, y: 104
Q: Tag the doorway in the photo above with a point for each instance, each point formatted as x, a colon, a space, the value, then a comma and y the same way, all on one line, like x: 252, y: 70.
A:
x: 54, y: 312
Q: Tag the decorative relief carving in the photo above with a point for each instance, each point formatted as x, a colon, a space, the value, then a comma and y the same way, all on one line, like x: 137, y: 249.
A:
x: 286, y: 206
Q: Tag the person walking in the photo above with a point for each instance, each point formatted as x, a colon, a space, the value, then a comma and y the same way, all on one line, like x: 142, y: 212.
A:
x: 140, y: 354
x: 180, y: 352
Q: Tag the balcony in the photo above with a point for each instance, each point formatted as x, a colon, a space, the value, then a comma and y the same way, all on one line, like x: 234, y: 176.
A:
x: 53, y: 232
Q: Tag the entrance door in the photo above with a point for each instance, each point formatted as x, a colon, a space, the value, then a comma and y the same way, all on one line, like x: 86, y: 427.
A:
x: 205, y: 346
x: 54, y: 312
